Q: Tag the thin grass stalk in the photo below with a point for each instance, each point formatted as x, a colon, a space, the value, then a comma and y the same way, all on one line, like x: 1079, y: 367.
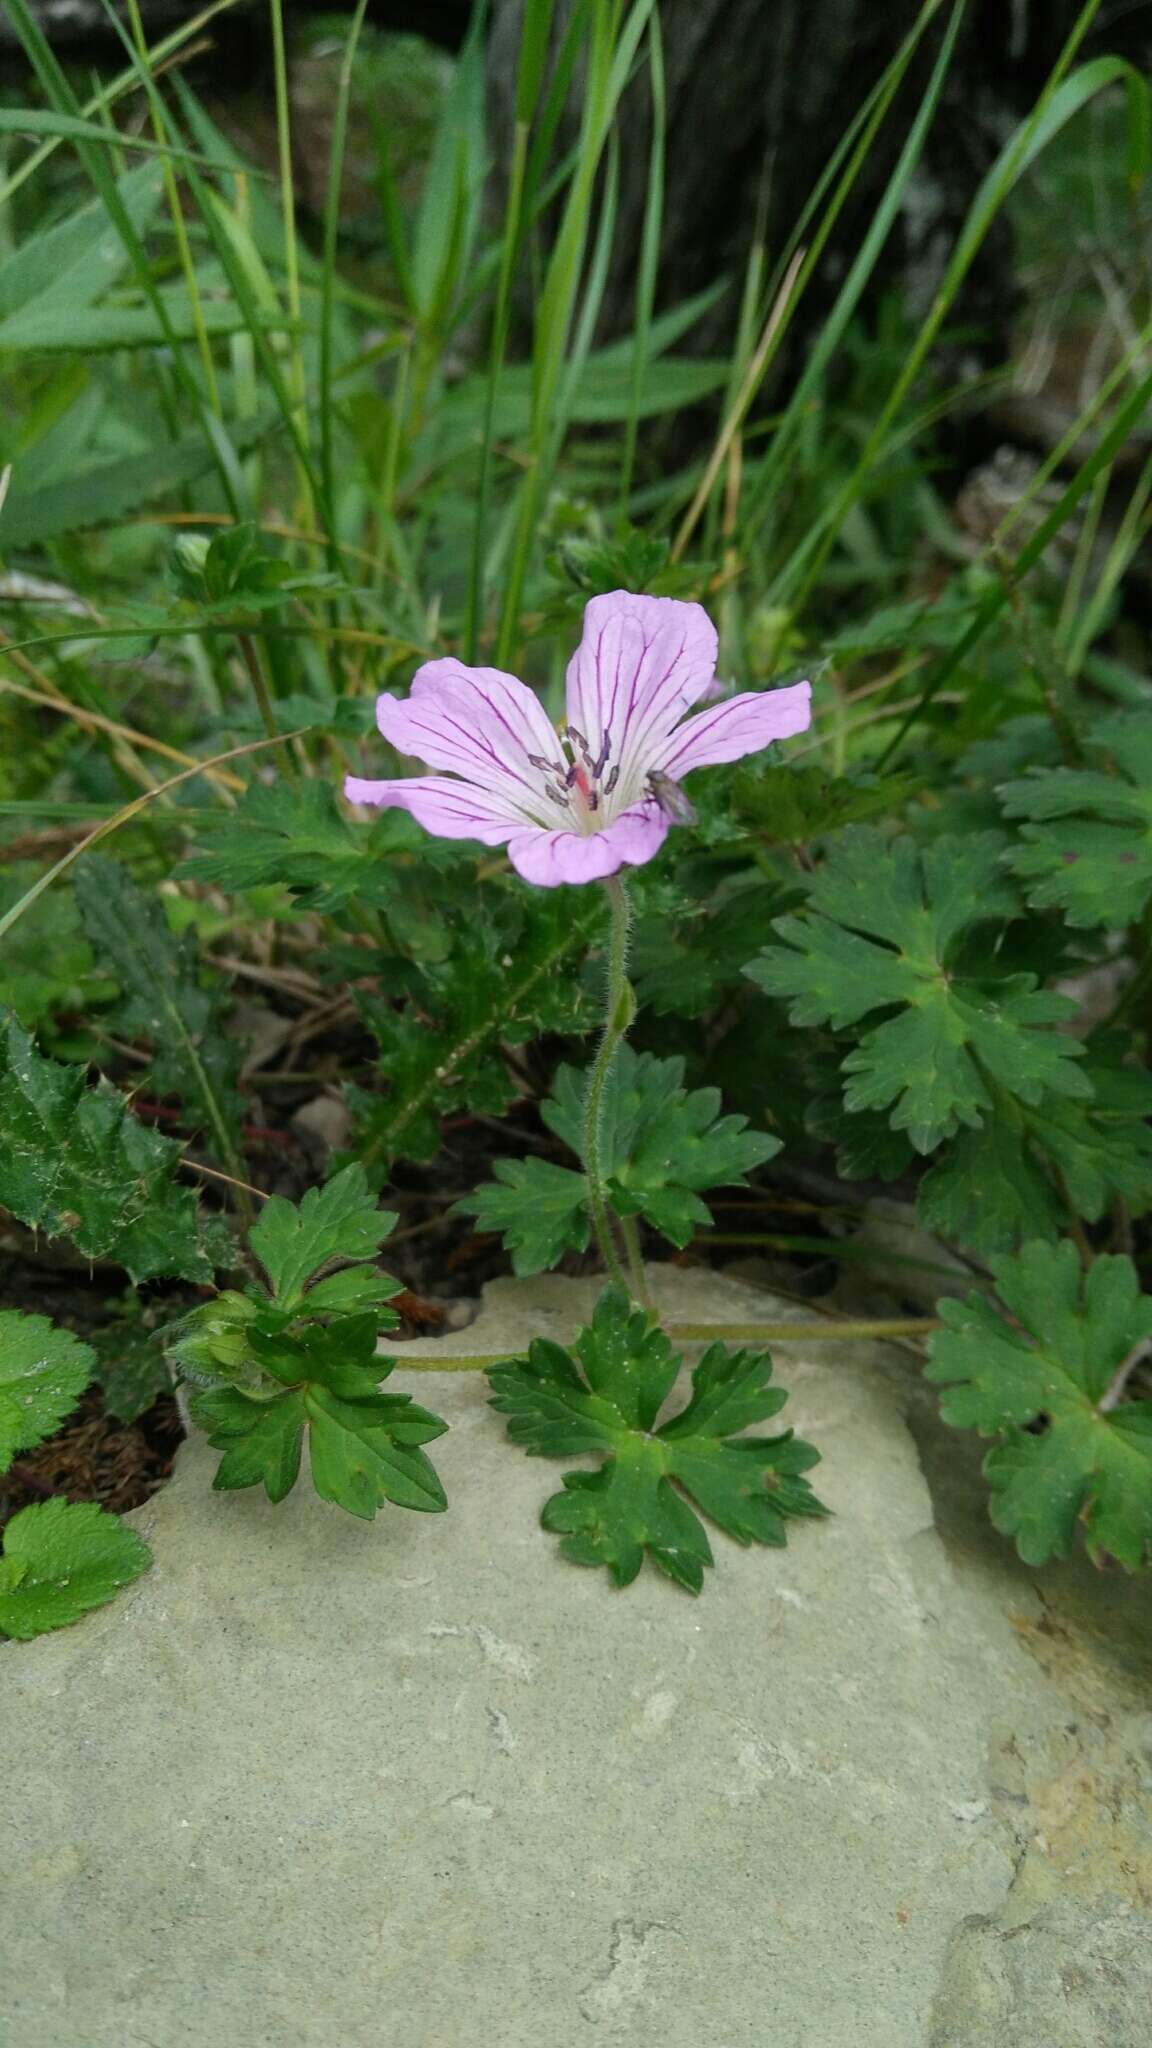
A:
x: 649, y: 256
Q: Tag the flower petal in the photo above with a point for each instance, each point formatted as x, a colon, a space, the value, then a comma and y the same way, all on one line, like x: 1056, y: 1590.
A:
x: 743, y: 725
x: 481, y: 723
x: 549, y: 858
x: 453, y: 810
x: 641, y: 663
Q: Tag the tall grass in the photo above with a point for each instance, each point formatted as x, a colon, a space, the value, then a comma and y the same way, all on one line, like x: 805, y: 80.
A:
x: 422, y: 433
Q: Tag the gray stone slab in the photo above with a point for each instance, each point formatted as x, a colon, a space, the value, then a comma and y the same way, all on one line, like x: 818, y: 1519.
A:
x: 422, y: 1784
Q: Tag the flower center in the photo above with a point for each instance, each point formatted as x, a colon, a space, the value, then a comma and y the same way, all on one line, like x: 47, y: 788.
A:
x: 577, y: 784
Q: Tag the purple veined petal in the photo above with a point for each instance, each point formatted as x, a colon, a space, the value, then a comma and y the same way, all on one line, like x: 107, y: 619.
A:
x: 641, y: 659
x: 549, y: 858
x: 453, y: 810
x: 743, y: 725
x: 480, y: 723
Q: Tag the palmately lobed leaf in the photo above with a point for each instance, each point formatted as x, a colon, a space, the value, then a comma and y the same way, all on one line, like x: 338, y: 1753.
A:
x: 1067, y: 1458
x: 323, y: 1384
x: 932, y: 1063
x: 43, y: 1372
x: 604, y: 1397
x: 294, y: 1241
x: 1087, y: 846
x: 62, y: 1558
x: 660, y: 1143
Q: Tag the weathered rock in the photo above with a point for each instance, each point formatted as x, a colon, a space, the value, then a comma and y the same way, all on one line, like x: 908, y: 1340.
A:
x: 421, y: 1784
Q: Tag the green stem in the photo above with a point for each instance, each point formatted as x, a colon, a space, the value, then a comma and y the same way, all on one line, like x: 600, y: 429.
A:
x: 259, y: 681
x: 619, y: 1010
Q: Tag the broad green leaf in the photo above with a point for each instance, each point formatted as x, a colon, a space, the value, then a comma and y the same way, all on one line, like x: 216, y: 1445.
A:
x: 364, y: 1445
x: 1017, y: 1177
x: 297, y: 837
x: 1065, y: 1459
x: 1088, y: 846
x: 63, y: 268
x: 605, y: 1397
x: 886, y: 929
x: 163, y: 999
x: 43, y: 1372
x: 43, y: 330
x: 98, y: 493
x: 512, y: 975
x: 539, y: 1209
x: 660, y: 1143
x: 75, y: 1162
x: 61, y: 1559
x: 294, y: 1241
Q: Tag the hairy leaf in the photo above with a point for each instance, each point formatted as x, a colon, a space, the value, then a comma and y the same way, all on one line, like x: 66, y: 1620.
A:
x: 340, y: 1220
x: 885, y: 930
x: 43, y: 1372
x: 659, y: 1144
x: 540, y: 1210
x: 604, y: 1397
x: 60, y: 1559
x: 163, y: 999
x: 76, y: 1163
x: 512, y: 974
x: 1088, y: 846
x: 1017, y: 1177
x: 364, y: 1446
x: 1065, y: 1458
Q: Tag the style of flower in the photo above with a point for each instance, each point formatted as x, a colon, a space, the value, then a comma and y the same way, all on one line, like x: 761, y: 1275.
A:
x: 600, y: 795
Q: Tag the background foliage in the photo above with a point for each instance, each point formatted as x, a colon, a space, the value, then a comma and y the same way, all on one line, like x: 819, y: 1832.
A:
x: 270, y: 437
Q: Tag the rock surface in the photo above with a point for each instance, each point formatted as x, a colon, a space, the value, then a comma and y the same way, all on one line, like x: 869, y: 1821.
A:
x: 422, y: 1784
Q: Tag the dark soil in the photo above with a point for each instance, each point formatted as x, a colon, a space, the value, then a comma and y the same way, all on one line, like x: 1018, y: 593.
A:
x: 93, y: 1456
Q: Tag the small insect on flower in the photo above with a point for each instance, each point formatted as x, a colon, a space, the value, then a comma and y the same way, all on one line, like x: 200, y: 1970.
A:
x: 577, y: 803
x: 671, y: 798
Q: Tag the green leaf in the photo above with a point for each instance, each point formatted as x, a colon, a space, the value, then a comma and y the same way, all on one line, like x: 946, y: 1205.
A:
x: 511, y: 976
x: 43, y: 1372
x: 65, y: 267
x: 885, y: 930
x: 1064, y: 1459
x: 163, y: 1000
x: 296, y: 836
x: 60, y: 1559
x: 340, y: 1220
x: 1020, y: 1175
x: 540, y: 1210
x: 1088, y: 848
x: 659, y: 1144
x: 131, y: 1368
x: 364, y: 1445
x: 606, y: 1398
x: 680, y: 965
x: 75, y: 1162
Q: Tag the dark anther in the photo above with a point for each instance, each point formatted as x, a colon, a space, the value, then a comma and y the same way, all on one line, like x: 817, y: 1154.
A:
x: 557, y: 796
x: 605, y: 750
x: 613, y: 779
x: 594, y: 800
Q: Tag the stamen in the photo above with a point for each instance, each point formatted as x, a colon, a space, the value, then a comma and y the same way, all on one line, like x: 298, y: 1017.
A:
x: 549, y: 767
x: 594, y: 800
x: 557, y: 796
x: 600, y: 765
x: 613, y: 779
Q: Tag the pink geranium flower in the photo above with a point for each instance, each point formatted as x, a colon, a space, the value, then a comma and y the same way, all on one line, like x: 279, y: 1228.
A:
x: 600, y: 795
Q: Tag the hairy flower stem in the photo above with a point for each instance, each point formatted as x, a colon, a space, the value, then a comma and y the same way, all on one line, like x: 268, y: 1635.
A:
x: 619, y: 1010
